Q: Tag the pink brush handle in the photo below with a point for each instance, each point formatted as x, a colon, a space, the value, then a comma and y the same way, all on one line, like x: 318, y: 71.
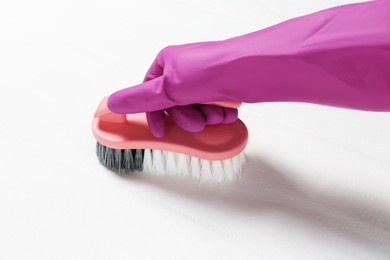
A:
x: 226, y: 103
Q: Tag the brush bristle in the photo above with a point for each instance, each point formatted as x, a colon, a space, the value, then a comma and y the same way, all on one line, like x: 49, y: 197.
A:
x: 159, y: 162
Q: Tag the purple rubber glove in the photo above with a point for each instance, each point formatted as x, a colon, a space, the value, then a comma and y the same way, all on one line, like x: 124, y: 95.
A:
x: 338, y: 57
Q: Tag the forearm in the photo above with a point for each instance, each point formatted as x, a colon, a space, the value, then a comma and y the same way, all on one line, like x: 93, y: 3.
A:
x: 338, y: 57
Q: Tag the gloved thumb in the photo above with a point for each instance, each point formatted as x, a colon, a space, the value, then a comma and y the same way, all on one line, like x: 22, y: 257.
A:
x: 146, y: 97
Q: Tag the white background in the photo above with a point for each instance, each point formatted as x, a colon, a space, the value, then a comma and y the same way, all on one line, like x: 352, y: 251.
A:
x: 316, y: 185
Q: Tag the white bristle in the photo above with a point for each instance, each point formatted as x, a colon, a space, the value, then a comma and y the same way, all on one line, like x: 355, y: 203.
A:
x: 148, y: 161
x: 217, y: 172
x: 205, y: 170
x: 228, y: 169
x: 195, y: 168
x: 158, y: 162
x: 170, y: 163
x: 236, y: 164
x: 242, y: 159
x: 183, y: 165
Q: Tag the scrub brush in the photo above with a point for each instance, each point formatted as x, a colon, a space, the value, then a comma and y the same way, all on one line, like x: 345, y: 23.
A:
x: 125, y: 145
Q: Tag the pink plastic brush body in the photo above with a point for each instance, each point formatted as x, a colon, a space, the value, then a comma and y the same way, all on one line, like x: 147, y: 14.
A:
x: 215, y: 142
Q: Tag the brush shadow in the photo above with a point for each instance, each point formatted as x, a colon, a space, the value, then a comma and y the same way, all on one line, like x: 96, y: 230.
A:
x: 262, y: 188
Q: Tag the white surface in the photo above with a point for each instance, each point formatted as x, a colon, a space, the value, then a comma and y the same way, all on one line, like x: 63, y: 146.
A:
x: 316, y: 185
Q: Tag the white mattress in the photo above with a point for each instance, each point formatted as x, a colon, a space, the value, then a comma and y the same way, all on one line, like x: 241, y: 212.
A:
x: 316, y: 185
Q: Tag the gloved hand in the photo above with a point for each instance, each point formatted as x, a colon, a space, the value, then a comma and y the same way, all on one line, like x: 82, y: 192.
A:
x: 178, y: 81
x: 338, y: 57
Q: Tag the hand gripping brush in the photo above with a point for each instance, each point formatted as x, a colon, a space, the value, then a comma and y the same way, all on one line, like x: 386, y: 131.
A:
x: 125, y: 145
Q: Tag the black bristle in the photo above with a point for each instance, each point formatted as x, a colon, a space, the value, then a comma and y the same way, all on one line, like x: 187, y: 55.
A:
x: 138, y: 159
x: 128, y: 162
x: 120, y: 160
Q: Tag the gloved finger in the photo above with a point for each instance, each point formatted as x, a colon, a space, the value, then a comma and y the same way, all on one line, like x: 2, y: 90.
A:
x: 146, y: 97
x: 213, y: 114
x: 156, y: 69
x: 156, y: 122
x: 230, y: 115
x: 188, y: 118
